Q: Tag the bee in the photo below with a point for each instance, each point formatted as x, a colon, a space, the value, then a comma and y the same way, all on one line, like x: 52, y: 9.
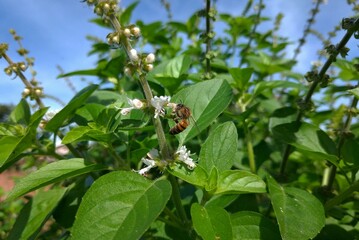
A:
x: 181, y: 117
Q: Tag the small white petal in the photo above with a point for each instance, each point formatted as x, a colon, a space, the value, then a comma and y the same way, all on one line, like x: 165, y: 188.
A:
x: 183, y: 155
x: 126, y: 111
x: 153, y: 154
x: 158, y: 103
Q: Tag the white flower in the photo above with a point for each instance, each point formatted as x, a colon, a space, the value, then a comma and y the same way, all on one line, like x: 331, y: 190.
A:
x: 184, y: 156
x: 316, y: 63
x: 135, y: 104
x: 133, y: 55
x: 149, y: 162
x: 158, y: 103
x: 150, y: 58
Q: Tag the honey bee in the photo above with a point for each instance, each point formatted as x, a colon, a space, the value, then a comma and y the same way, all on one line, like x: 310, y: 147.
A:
x: 181, y: 117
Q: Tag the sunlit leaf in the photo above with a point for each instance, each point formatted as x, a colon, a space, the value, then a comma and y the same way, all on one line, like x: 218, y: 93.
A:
x: 207, y: 100
x: 123, y: 205
x: 52, y: 173
x: 239, y: 181
x: 220, y: 148
x: 309, y: 139
x: 69, y: 110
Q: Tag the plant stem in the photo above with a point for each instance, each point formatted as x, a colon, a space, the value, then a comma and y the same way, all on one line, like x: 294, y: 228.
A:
x: 164, y: 148
x: 251, y: 35
x: 329, y: 179
x: 315, y: 83
x: 208, y: 39
x: 176, y: 198
x: 250, y: 152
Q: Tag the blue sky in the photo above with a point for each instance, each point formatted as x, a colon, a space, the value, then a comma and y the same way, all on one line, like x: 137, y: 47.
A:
x: 55, y: 31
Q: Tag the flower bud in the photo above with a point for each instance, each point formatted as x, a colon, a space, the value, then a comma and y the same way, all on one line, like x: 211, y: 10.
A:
x: 8, y: 71
x: 26, y: 91
x: 98, y: 11
x: 22, y: 66
x: 38, y: 91
x: 128, y: 71
x: 106, y: 7
x: 150, y: 58
x: 148, y: 67
x: 127, y: 32
x: 137, y: 103
x: 136, y: 31
x: 133, y: 55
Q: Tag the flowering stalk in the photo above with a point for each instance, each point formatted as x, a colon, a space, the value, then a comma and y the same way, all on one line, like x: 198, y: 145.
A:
x: 28, y: 86
x: 121, y: 37
x: 334, y: 51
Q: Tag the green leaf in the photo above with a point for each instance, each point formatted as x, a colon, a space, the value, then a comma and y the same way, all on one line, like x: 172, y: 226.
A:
x: 220, y: 148
x: 239, y: 181
x: 35, y: 213
x: 69, y: 110
x: 21, y: 113
x: 308, y: 139
x: 125, y: 16
x: 252, y: 225
x: 350, y: 151
x: 197, y: 176
x: 172, y: 72
x: 347, y: 68
x: 52, y: 173
x: 299, y: 214
x: 7, y: 147
x: 281, y: 116
x: 120, y: 205
x: 86, y: 133
x: 354, y: 92
x: 268, y: 85
x: 241, y: 77
x: 13, y: 146
x: 207, y: 100
x: 211, y: 222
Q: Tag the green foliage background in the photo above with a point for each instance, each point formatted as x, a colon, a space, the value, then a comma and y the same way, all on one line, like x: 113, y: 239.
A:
x: 270, y: 162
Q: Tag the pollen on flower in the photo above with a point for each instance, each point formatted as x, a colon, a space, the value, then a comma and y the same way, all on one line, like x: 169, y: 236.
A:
x: 158, y: 103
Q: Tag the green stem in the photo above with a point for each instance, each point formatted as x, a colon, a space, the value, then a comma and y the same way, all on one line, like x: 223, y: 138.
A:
x: 176, y: 198
x: 328, y: 179
x: 164, y: 148
x: 250, y: 152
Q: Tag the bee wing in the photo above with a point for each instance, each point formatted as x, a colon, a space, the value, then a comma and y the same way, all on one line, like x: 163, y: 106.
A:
x: 195, y: 123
